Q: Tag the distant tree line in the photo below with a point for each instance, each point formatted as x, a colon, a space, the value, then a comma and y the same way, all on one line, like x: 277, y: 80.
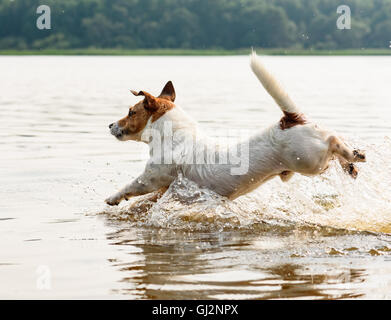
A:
x: 197, y: 24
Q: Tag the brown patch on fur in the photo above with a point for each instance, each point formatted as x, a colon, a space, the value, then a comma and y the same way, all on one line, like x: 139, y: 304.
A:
x: 139, y: 114
x: 137, y: 121
x: 359, y: 155
x: 286, y: 175
x: 290, y: 120
x: 349, y: 167
x: 161, y: 107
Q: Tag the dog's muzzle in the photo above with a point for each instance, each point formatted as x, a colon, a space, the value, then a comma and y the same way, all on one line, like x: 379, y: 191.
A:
x: 115, y: 130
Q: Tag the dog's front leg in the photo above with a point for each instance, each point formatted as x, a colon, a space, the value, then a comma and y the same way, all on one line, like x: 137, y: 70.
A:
x: 138, y: 187
x: 151, y: 180
x: 115, y: 199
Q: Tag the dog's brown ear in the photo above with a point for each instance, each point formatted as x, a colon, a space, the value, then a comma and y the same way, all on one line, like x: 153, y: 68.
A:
x: 168, y: 92
x: 150, y: 102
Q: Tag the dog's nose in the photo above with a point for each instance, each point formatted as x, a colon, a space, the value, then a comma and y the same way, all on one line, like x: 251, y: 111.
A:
x: 110, y: 125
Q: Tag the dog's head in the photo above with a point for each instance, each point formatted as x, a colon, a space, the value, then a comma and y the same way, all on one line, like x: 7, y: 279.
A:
x: 132, y: 126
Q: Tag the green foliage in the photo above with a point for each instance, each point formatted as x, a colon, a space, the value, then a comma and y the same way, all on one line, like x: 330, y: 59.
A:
x: 194, y: 24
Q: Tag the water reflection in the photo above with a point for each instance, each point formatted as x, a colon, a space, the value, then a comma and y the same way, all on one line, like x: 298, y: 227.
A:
x: 174, y: 264
x: 59, y: 162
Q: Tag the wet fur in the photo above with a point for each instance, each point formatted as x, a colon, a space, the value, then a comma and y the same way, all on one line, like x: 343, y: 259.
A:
x: 292, y: 145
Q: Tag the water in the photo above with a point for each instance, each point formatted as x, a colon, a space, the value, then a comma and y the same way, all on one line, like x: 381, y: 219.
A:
x: 323, y: 237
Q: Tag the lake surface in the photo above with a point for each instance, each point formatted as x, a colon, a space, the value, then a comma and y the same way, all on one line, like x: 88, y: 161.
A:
x: 327, y: 237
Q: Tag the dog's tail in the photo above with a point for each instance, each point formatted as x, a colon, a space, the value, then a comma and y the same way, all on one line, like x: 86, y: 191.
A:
x: 272, y: 86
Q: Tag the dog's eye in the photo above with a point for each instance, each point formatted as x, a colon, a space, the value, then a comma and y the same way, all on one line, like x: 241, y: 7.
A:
x: 131, y: 113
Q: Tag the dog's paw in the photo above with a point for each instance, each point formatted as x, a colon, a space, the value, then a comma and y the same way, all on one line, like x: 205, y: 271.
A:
x: 113, y: 200
x: 352, y: 170
x: 359, y: 156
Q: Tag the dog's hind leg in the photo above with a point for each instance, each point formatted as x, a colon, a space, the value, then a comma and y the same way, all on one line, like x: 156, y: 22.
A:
x: 348, y: 167
x: 341, y: 149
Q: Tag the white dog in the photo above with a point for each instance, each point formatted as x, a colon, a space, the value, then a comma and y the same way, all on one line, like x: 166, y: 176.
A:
x: 294, y: 144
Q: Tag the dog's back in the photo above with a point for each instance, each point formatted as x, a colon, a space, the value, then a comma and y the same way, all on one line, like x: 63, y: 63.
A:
x: 291, y: 145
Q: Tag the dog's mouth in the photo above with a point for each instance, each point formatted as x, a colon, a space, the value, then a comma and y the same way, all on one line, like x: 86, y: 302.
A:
x: 116, y: 132
x: 118, y: 135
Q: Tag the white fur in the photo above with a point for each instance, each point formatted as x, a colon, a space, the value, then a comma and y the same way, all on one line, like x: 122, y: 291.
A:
x: 304, y: 149
x: 271, y: 85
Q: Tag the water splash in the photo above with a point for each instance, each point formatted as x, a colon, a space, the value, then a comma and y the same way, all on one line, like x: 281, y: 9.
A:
x: 330, y: 200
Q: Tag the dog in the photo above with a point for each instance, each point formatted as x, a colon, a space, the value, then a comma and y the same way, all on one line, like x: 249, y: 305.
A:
x: 292, y: 145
